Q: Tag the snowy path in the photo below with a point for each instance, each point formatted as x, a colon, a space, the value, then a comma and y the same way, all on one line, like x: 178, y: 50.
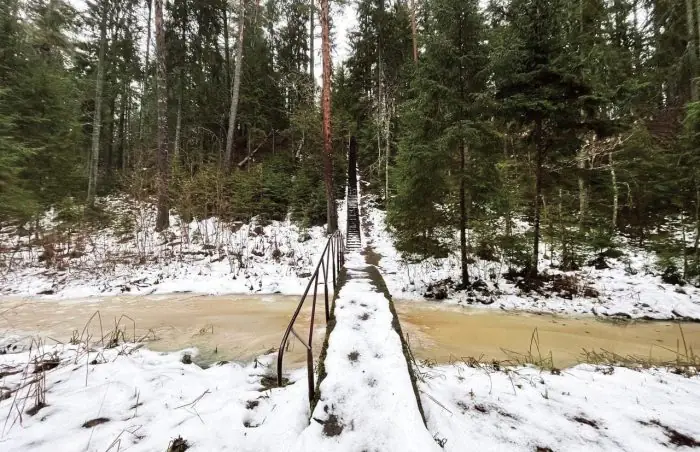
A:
x: 367, y: 402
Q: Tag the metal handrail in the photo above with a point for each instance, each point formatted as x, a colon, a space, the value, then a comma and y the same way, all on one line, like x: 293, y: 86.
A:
x: 329, y: 264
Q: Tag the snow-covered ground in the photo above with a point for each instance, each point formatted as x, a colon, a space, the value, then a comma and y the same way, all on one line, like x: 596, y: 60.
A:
x: 206, y: 256
x: 585, y: 408
x: 125, y: 397
x: 128, y: 398
x: 631, y: 287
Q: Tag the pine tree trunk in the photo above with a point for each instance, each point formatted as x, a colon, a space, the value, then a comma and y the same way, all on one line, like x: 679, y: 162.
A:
x: 122, y: 126
x: 387, y: 143
x: 696, y: 245
x: 463, y: 214
x: 581, y: 160
x: 538, y: 194
x: 312, y: 57
x: 163, y: 218
x: 616, y: 194
x: 97, y: 121
x: 111, y: 143
x: 462, y: 169
x: 384, y: 133
x: 380, y: 99
x: 144, y: 82
x: 227, y: 51
x: 331, y: 214
x: 379, y: 154
x: 126, y: 156
x: 562, y: 229
x: 248, y: 144
x: 582, y: 190
x: 692, y: 55
x: 697, y: 23
x: 178, y: 127
x: 230, y: 136
x: 181, y: 87
x: 509, y: 214
x: 413, y: 31
x: 379, y: 115
x: 684, y: 253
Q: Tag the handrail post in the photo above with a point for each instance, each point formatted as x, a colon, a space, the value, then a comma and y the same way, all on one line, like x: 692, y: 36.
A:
x: 309, y: 350
x: 335, y: 251
x: 325, y: 289
x: 328, y: 264
x: 335, y: 257
x: 330, y: 255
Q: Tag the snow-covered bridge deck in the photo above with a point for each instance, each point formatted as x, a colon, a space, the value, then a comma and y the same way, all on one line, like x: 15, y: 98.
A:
x: 367, y: 401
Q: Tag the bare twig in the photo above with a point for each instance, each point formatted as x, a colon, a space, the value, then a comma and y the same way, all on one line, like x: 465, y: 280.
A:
x: 195, y: 401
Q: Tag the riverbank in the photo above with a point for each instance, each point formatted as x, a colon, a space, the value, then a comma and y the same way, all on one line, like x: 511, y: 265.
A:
x: 126, y: 397
x: 625, y: 285
x: 212, y: 257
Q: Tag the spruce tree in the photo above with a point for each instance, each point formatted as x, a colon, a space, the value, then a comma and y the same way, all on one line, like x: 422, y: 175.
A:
x: 445, y: 132
x: 539, y: 89
x: 39, y: 109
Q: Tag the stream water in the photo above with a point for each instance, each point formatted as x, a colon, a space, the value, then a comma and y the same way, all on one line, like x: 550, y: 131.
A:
x: 243, y: 327
x: 447, y: 333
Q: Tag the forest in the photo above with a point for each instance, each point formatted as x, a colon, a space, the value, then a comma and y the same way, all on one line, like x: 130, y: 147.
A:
x: 349, y: 225
x: 485, y: 129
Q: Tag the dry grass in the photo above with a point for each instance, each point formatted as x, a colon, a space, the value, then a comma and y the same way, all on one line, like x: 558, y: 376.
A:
x: 533, y: 356
x: 29, y: 394
x: 126, y: 241
x: 29, y: 397
x: 686, y: 362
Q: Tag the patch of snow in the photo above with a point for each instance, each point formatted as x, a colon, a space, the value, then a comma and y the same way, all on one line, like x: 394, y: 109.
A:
x: 131, y: 398
x: 586, y: 408
x: 140, y: 400
x: 207, y: 256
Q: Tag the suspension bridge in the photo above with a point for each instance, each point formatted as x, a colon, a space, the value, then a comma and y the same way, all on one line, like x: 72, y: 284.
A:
x: 362, y: 393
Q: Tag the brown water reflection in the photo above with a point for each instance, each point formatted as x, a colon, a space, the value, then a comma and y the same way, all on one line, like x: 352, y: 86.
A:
x: 222, y: 328
x: 243, y: 327
x: 444, y: 333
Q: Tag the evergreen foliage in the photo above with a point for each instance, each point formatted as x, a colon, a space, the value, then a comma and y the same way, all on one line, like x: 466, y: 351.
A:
x: 572, y: 121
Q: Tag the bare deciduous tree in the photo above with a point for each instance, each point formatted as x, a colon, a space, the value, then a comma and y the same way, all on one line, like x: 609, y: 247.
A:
x: 162, y: 158
x: 331, y: 213
x: 97, y: 120
x: 236, y: 89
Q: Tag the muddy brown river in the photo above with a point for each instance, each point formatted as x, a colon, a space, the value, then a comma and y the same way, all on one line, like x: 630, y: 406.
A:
x: 243, y: 327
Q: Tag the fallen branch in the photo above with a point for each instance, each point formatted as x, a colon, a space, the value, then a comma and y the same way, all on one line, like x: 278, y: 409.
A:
x: 245, y: 160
